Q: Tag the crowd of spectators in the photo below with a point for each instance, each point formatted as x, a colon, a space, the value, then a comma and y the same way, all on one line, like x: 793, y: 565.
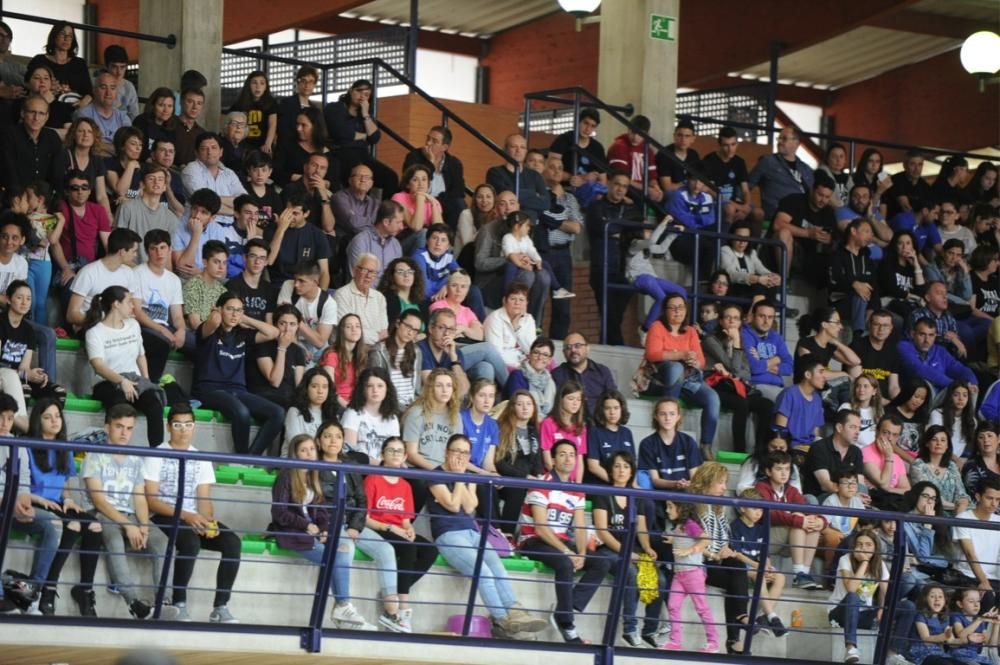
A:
x: 359, y: 314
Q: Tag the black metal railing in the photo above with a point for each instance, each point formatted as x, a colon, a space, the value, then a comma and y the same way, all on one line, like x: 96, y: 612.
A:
x: 700, y: 235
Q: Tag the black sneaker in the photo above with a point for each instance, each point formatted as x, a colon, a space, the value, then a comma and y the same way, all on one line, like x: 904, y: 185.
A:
x: 85, y: 600
x: 651, y: 640
x: 7, y: 606
x: 47, y: 603
x: 139, y: 609
x: 777, y: 627
x: 632, y: 639
x: 761, y: 624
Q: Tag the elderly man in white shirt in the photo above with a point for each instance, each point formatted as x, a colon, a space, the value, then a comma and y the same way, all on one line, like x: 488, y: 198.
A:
x: 510, y: 329
x: 358, y: 297
x: 208, y: 172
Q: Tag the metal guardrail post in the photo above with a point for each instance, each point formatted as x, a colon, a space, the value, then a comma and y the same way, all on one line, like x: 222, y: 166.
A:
x: 694, y: 276
x: 168, y: 555
x: 312, y: 636
x: 576, y: 132
x: 758, y: 584
x: 772, y: 90
x: 618, y: 590
x: 895, y: 581
x: 13, y: 479
x: 484, y: 531
x: 325, y: 78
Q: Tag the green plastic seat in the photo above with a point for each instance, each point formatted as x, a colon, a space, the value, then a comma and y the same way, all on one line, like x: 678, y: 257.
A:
x: 228, y: 475
x: 258, y: 477
x: 730, y: 457
x: 176, y: 355
x: 68, y: 344
x: 83, y: 404
x: 253, y: 543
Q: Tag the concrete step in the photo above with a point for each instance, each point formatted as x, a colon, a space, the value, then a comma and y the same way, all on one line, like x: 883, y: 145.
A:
x: 278, y: 590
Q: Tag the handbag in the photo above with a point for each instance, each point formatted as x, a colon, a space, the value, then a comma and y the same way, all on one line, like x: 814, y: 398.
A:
x: 496, y: 540
x: 719, y: 381
x: 642, y: 378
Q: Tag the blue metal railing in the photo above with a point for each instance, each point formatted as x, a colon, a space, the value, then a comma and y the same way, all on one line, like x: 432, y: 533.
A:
x: 616, y: 226
x: 313, y: 633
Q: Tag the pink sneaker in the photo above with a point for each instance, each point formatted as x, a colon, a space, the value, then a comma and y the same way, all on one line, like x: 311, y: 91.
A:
x: 672, y: 646
x: 710, y: 647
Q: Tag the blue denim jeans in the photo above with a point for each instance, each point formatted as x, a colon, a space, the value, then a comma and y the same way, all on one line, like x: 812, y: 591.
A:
x: 459, y: 549
x: 630, y: 596
x: 483, y: 361
x: 43, y: 526
x: 46, y: 338
x: 693, y: 390
x: 850, y: 614
x: 241, y: 408
x: 379, y: 549
x: 340, y: 580
x: 39, y: 279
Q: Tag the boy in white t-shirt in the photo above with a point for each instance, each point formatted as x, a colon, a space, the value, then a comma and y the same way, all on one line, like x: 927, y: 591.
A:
x: 981, y: 563
x: 159, y: 304
x: 318, y: 308
x: 115, y: 269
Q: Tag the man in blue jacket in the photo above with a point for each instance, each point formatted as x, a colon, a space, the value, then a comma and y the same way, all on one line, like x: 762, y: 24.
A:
x: 766, y: 351
x: 923, y: 359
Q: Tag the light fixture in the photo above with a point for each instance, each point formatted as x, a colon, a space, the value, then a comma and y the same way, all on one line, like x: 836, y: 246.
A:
x: 579, y: 8
x: 980, y: 55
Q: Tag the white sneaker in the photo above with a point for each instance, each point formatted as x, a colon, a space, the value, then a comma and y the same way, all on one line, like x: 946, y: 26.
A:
x: 896, y: 659
x: 559, y: 294
x: 33, y: 609
x: 853, y: 655
x: 406, y: 619
x: 391, y: 622
x: 346, y: 616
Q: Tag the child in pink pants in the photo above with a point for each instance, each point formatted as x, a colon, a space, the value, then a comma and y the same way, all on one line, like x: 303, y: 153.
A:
x: 689, y: 576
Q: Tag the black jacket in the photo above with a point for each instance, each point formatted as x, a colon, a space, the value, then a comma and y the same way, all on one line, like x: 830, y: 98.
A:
x: 452, y: 171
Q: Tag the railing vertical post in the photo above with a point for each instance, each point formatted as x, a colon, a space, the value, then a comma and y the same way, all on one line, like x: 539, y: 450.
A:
x: 13, y: 476
x: 527, y: 119
x: 325, y: 78
x: 168, y: 555
x: 411, y: 42
x: 852, y: 148
x: 484, y: 531
x: 784, y: 288
x: 889, y: 604
x: 313, y: 634
x: 772, y: 90
x: 621, y: 578
x: 695, y: 275
x: 576, y: 132
x: 373, y: 110
x: 604, y: 282
x: 758, y: 584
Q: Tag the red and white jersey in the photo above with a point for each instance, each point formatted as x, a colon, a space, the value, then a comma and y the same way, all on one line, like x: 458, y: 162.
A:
x: 560, y: 508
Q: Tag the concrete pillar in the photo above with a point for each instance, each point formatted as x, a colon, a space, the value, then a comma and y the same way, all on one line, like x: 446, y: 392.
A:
x: 637, y: 67
x: 198, y: 26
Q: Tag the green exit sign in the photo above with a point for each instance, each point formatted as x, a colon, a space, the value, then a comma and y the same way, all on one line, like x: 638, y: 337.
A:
x: 662, y: 27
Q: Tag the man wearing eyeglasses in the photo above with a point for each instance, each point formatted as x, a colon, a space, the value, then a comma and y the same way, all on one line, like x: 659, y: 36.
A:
x: 354, y: 208
x: 593, y: 376
x: 30, y: 148
x: 879, y: 360
x: 359, y: 297
x: 233, y: 148
x: 197, y: 527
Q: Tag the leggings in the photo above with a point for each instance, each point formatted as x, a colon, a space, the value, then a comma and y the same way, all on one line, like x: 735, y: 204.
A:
x: 413, y: 559
x: 691, y: 583
x: 189, y: 544
x: 148, y: 404
x: 90, y: 550
x: 513, y: 501
x: 730, y: 576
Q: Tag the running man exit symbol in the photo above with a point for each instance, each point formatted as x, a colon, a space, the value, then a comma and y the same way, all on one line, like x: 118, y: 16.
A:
x: 662, y: 27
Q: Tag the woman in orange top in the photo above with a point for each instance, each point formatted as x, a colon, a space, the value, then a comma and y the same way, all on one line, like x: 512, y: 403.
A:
x: 673, y: 345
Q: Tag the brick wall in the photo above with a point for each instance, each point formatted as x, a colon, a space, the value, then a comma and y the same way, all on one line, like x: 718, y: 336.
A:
x: 584, y: 316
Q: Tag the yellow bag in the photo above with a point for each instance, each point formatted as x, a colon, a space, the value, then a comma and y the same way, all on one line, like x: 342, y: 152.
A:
x: 647, y: 580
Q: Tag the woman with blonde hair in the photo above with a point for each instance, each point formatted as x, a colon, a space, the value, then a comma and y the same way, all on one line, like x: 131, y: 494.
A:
x: 432, y: 418
x: 723, y: 570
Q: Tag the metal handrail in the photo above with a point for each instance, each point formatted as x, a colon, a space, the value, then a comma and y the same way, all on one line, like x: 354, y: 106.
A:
x: 695, y: 295
x: 313, y: 634
x: 853, y: 140
x: 614, y: 111
x: 378, y: 63
x: 170, y: 40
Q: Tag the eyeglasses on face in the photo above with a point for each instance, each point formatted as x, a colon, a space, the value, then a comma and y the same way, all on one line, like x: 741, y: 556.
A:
x: 79, y: 188
x: 179, y: 425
